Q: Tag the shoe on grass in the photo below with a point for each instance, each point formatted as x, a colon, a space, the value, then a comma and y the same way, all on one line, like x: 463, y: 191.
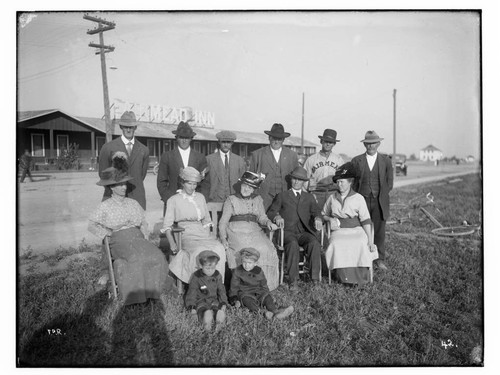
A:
x: 381, y: 265
x: 284, y: 313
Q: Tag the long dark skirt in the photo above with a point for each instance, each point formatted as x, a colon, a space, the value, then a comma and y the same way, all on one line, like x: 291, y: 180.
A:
x: 141, y: 269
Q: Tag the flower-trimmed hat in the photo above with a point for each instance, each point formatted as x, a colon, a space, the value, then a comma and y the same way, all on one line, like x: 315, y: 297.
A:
x: 347, y: 170
x: 252, y: 179
x: 277, y: 131
x: 116, y: 174
x: 299, y: 173
x: 249, y: 253
x: 371, y: 137
x: 184, y: 130
x: 190, y: 174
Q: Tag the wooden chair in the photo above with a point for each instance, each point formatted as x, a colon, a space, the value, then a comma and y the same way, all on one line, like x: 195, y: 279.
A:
x: 214, y: 208
x: 177, y: 233
x: 328, y: 233
x: 281, y: 248
x: 114, y: 287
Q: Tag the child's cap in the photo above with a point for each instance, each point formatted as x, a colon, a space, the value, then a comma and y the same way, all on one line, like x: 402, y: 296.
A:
x: 205, y: 255
x: 249, y: 253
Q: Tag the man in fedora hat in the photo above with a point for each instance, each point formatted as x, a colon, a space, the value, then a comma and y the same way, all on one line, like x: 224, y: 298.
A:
x: 275, y: 162
x: 137, y: 158
x: 224, y: 168
x: 181, y: 156
x: 324, y: 163
x: 296, y: 211
x: 375, y: 182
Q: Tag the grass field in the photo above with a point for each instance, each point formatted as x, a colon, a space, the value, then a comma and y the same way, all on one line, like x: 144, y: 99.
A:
x: 426, y: 310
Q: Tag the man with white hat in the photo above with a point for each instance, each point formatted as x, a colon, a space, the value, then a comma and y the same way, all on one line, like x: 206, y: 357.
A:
x: 375, y: 182
x: 224, y: 168
x: 137, y: 158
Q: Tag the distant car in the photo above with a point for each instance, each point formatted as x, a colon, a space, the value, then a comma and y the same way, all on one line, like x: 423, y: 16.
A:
x: 400, y: 164
x: 153, y: 164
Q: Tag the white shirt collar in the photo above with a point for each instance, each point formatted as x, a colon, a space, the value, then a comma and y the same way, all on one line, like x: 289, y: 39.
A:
x: 126, y: 141
x: 185, y: 155
x: 371, y: 159
x: 222, y: 154
x: 296, y: 191
x: 276, y: 153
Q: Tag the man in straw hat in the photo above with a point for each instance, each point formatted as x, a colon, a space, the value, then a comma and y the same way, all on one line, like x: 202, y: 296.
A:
x: 375, y: 182
x: 224, y: 168
x: 296, y: 211
x: 324, y: 163
x: 275, y: 162
x: 137, y: 156
x: 173, y: 161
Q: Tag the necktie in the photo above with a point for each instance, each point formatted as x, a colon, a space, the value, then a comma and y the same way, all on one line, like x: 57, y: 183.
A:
x: 226, y: 162
x: 297, y: 194
x: 129, y: 148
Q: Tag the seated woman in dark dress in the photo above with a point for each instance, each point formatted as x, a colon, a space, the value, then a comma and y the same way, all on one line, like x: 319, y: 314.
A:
x: 141, y: 269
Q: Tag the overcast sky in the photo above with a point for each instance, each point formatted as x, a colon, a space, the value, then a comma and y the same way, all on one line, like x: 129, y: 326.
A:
x: 251, y: 68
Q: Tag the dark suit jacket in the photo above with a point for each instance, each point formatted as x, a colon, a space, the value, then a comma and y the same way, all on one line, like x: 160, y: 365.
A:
x: 262, y: 161
x: 386, y: 177
x: 138, y: 163
x: 167, y: 180
x: 220, y: 188
x: 306, y: 211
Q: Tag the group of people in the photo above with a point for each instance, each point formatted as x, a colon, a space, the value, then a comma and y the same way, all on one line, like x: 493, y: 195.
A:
x: 276, y: 192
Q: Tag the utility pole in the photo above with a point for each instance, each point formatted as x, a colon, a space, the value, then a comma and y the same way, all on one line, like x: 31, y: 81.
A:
x: 302, y: 136
x: 103, y: 26
x: 394, y: 122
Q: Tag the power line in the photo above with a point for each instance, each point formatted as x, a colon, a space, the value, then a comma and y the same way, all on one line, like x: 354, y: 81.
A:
x: 53, y: 70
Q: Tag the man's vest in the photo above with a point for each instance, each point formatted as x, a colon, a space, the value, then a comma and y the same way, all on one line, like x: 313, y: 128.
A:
x: 370, y: 185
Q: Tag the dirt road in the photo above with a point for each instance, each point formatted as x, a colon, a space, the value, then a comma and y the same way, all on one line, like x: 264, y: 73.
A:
x: 53, y: 211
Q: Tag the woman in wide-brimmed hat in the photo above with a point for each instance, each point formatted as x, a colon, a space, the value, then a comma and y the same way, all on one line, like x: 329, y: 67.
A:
x: 188, y: 209
x: 351, y: 250
x: 240, y: 226
x: 140, y: 267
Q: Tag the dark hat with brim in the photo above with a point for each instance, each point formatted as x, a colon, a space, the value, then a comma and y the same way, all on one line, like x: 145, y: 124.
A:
x: 299, y: 173
x: 128, y: 119
x: 251, y: 179
x: 347, y: 170
x: 277, y: 131
x: 329, y: 135
x: 113, y: 176
x: 184, y: 130
x: 249, y: 253
x: 371, y: 137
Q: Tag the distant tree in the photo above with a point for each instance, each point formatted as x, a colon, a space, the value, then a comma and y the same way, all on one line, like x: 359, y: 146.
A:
x: 412, y: 157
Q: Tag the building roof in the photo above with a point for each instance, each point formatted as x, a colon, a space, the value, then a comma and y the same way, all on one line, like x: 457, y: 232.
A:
x: 156, y: 130
x: 431, y: 148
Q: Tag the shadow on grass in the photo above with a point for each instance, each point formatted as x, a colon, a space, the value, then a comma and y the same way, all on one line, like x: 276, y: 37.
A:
x: 69, y: 339
x: 140, y: 337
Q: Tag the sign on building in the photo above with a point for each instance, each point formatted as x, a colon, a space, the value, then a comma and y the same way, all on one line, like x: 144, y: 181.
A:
x: 163, y: 114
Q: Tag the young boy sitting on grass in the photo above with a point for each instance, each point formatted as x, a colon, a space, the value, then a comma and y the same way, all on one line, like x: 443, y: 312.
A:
x: 249, y: 287
x: 206, y: 295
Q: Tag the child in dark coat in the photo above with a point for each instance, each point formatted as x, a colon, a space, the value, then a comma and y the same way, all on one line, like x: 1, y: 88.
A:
x: 249, y: 287
x: 206, y: 295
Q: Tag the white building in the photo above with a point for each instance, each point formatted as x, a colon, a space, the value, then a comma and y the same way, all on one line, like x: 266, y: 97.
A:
x: 431, y: 153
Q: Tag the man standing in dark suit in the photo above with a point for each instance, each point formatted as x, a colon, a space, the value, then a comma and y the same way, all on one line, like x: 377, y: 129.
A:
x: 295, y: 210
x: 173, y: 161
x: 275, y: 162
x: 375, y: 182
x: 137, y: 158
x: 224, y: 168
